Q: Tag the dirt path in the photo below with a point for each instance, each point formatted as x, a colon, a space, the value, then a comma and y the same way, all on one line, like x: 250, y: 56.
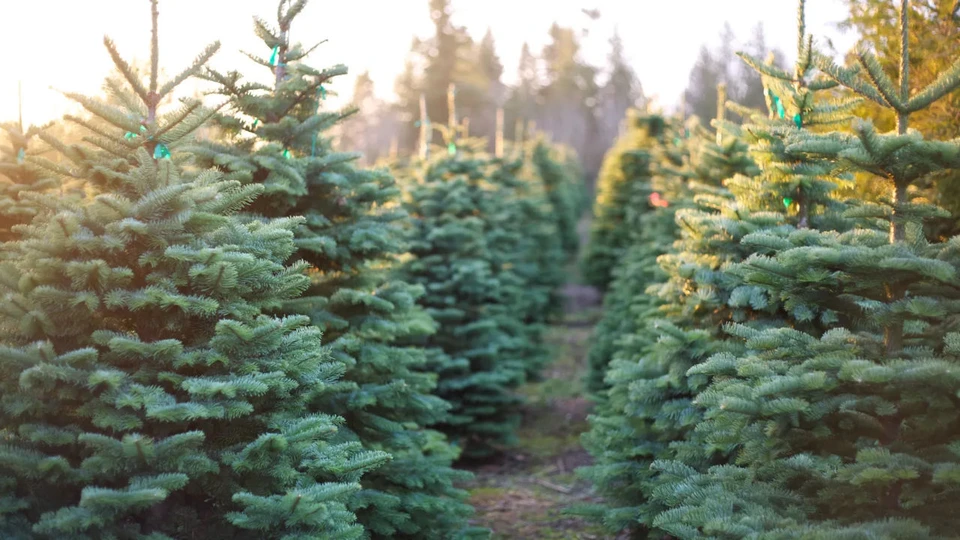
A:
x: 523, y: 495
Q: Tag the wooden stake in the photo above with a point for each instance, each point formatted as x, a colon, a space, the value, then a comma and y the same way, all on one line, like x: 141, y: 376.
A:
x: 424, y: 128
x: 394, y: 148
x: 498, y: 141
x: 721, y: 109
x: 452, y: 112
x: 550, y: 485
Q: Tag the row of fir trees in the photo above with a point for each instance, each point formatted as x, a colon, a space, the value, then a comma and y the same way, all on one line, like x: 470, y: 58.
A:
x: 778, y: 356
x: 243, y: 334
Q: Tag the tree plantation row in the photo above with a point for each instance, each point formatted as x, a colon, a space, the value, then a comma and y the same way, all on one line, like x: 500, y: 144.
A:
x: 215, y: 325
x: 779, y: 354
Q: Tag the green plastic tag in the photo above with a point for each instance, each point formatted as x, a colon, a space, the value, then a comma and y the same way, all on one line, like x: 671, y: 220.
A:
x: 161, y: 152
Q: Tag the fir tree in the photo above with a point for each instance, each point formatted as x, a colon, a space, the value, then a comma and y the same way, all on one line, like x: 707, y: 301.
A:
x: 663, y: 327
x: 646, y: 229
x: 523, y: 239
x: 671, y: 325
x: 134, y: 108
x: 464, y: 251
x: 522, y: 105
x: 565, y: 188
x: 625, y: 164
x: 274, y: 135
x: 844, y: 420
x: 18, y: 179
x: 651, y: 403
x: 145, y: 393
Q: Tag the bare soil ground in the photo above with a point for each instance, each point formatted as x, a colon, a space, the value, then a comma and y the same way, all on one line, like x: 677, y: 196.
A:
x: 524, y: 493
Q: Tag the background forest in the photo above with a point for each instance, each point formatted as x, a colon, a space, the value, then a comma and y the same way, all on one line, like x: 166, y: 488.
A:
x: 558, y: 92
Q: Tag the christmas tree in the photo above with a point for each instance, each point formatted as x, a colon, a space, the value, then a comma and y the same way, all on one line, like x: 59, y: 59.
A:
x: 623, y: 166
x: 651, y: 412
x: 18, y: 179
x: 668, y: 324
x: 145, y: 393
x: 485, y: 244
x: 524, y: 238
x: 646, y: 223
x: 479, y: 349
x: 132, y: 108
x: 842, y: 422
x: 274, y: 135
x: 564, y: 185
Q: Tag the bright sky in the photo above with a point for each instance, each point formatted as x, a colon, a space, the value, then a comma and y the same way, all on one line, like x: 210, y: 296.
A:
x: 59, y: 43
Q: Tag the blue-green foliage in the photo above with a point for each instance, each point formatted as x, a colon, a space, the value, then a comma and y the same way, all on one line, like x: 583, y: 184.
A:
x: 476, y: 351
x: 18, y: 179
x: 484, y: 244
x: 666, y: 322
x: 276, y: 136
x: 145, y: 393
x: 565, y: 189
x: 624, y: 166
x: 827, y: 408
x: 654, y: 191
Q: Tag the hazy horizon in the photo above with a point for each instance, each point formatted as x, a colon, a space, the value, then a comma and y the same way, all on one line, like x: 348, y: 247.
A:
x: 379, y: 45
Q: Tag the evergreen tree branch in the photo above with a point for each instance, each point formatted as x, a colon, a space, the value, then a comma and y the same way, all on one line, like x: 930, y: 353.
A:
x: 108, y: 113
x: 126, y: 70
x: 151, y: 100
x: 945, y: 83
x: 879, y: 79
x: 194, y: 68
x: 848, y: 78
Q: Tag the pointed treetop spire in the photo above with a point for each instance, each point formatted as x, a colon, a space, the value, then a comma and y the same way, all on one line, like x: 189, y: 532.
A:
x: 902, y: 119
x: 131, y: 112
x: 801, y: 27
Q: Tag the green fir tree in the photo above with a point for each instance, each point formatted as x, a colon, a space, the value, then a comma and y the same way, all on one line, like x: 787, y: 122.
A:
x: 145, y: 393
x: 18, y: 179
x: 644, y: 225
x: 842, y: 422
x: 458, y: 254
x: 274, y: 135
x: 668, y: 323
x: 624, y: 165
x: 564, y: 184
x: 524, y: 239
